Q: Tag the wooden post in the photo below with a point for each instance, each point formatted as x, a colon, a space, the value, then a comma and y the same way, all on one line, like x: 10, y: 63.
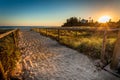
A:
x: 39, y: 30
x: 58, y: 34
x: 76, y: 33
x: 103, y: 54
x: 46, y: 31
x: 116, y: 54
x: 14, y: 38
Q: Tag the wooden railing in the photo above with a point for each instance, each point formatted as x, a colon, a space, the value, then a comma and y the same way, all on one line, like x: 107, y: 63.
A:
x: 14, y: 35
x: 8, y: 52
x: 116, y: 54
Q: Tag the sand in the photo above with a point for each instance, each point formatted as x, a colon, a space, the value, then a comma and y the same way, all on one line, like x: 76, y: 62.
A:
x: 45, y: 59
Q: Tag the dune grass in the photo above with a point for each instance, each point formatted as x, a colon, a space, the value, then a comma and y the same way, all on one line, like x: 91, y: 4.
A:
x: 89, y: 43
x: 9, y: 55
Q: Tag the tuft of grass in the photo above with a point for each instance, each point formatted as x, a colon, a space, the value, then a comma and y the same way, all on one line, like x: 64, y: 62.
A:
x: 2, y: 73
x: 9, y: 55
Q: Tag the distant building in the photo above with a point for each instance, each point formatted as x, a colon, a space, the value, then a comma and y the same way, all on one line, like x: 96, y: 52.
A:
x: 84, y: 21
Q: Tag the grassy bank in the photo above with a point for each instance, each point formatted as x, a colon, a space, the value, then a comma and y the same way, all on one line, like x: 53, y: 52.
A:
x: 87, y: 42
x: 9, y: 55
x: 4, y: 30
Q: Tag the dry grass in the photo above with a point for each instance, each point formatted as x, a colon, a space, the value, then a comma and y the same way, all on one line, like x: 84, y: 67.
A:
x: 9, y: 55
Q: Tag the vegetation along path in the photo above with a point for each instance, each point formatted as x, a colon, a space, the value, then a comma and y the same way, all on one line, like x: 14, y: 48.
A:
x: 45, y: 59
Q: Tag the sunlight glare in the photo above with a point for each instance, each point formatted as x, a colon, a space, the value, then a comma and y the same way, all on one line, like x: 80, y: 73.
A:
x: 104, y: 19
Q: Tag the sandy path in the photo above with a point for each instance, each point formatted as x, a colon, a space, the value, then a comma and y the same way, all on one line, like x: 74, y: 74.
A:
x: 45, y: 59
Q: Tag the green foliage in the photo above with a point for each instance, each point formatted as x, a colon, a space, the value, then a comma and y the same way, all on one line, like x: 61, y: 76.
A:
x: 92, y: 47
x: 74, y: 21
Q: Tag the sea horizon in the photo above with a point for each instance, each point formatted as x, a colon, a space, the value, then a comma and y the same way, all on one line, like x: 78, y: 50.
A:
x: 23, y: 27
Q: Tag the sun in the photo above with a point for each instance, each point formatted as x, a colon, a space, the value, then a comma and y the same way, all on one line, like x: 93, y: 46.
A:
x: 104, y: 19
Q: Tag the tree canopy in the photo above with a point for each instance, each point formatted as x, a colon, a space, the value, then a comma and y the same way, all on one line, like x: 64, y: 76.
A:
x: 74, y: 21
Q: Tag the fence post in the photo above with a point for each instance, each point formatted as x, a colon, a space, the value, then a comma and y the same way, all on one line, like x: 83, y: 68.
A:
x: 58, y: 34
x: 46, y: 31
x: 103, y: 54
x: 116, y: 54
x: 14, y: 38
x: 76, y: 33
x: 39, y: 30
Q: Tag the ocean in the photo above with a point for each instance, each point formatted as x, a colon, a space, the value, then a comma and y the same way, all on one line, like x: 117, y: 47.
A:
x: 20, y: 27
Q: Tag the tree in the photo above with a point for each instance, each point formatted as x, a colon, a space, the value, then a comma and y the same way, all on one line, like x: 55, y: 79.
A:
x: 74, y: 21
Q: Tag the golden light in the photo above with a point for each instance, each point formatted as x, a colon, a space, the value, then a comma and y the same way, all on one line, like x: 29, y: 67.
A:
x: 104, y: 19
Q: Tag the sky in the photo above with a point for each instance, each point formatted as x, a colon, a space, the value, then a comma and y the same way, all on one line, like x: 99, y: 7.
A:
x: 54, y: 12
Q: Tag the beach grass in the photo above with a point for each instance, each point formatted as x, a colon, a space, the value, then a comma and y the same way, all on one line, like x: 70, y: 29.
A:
x: 89, y: 43
x: 9, y: 55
